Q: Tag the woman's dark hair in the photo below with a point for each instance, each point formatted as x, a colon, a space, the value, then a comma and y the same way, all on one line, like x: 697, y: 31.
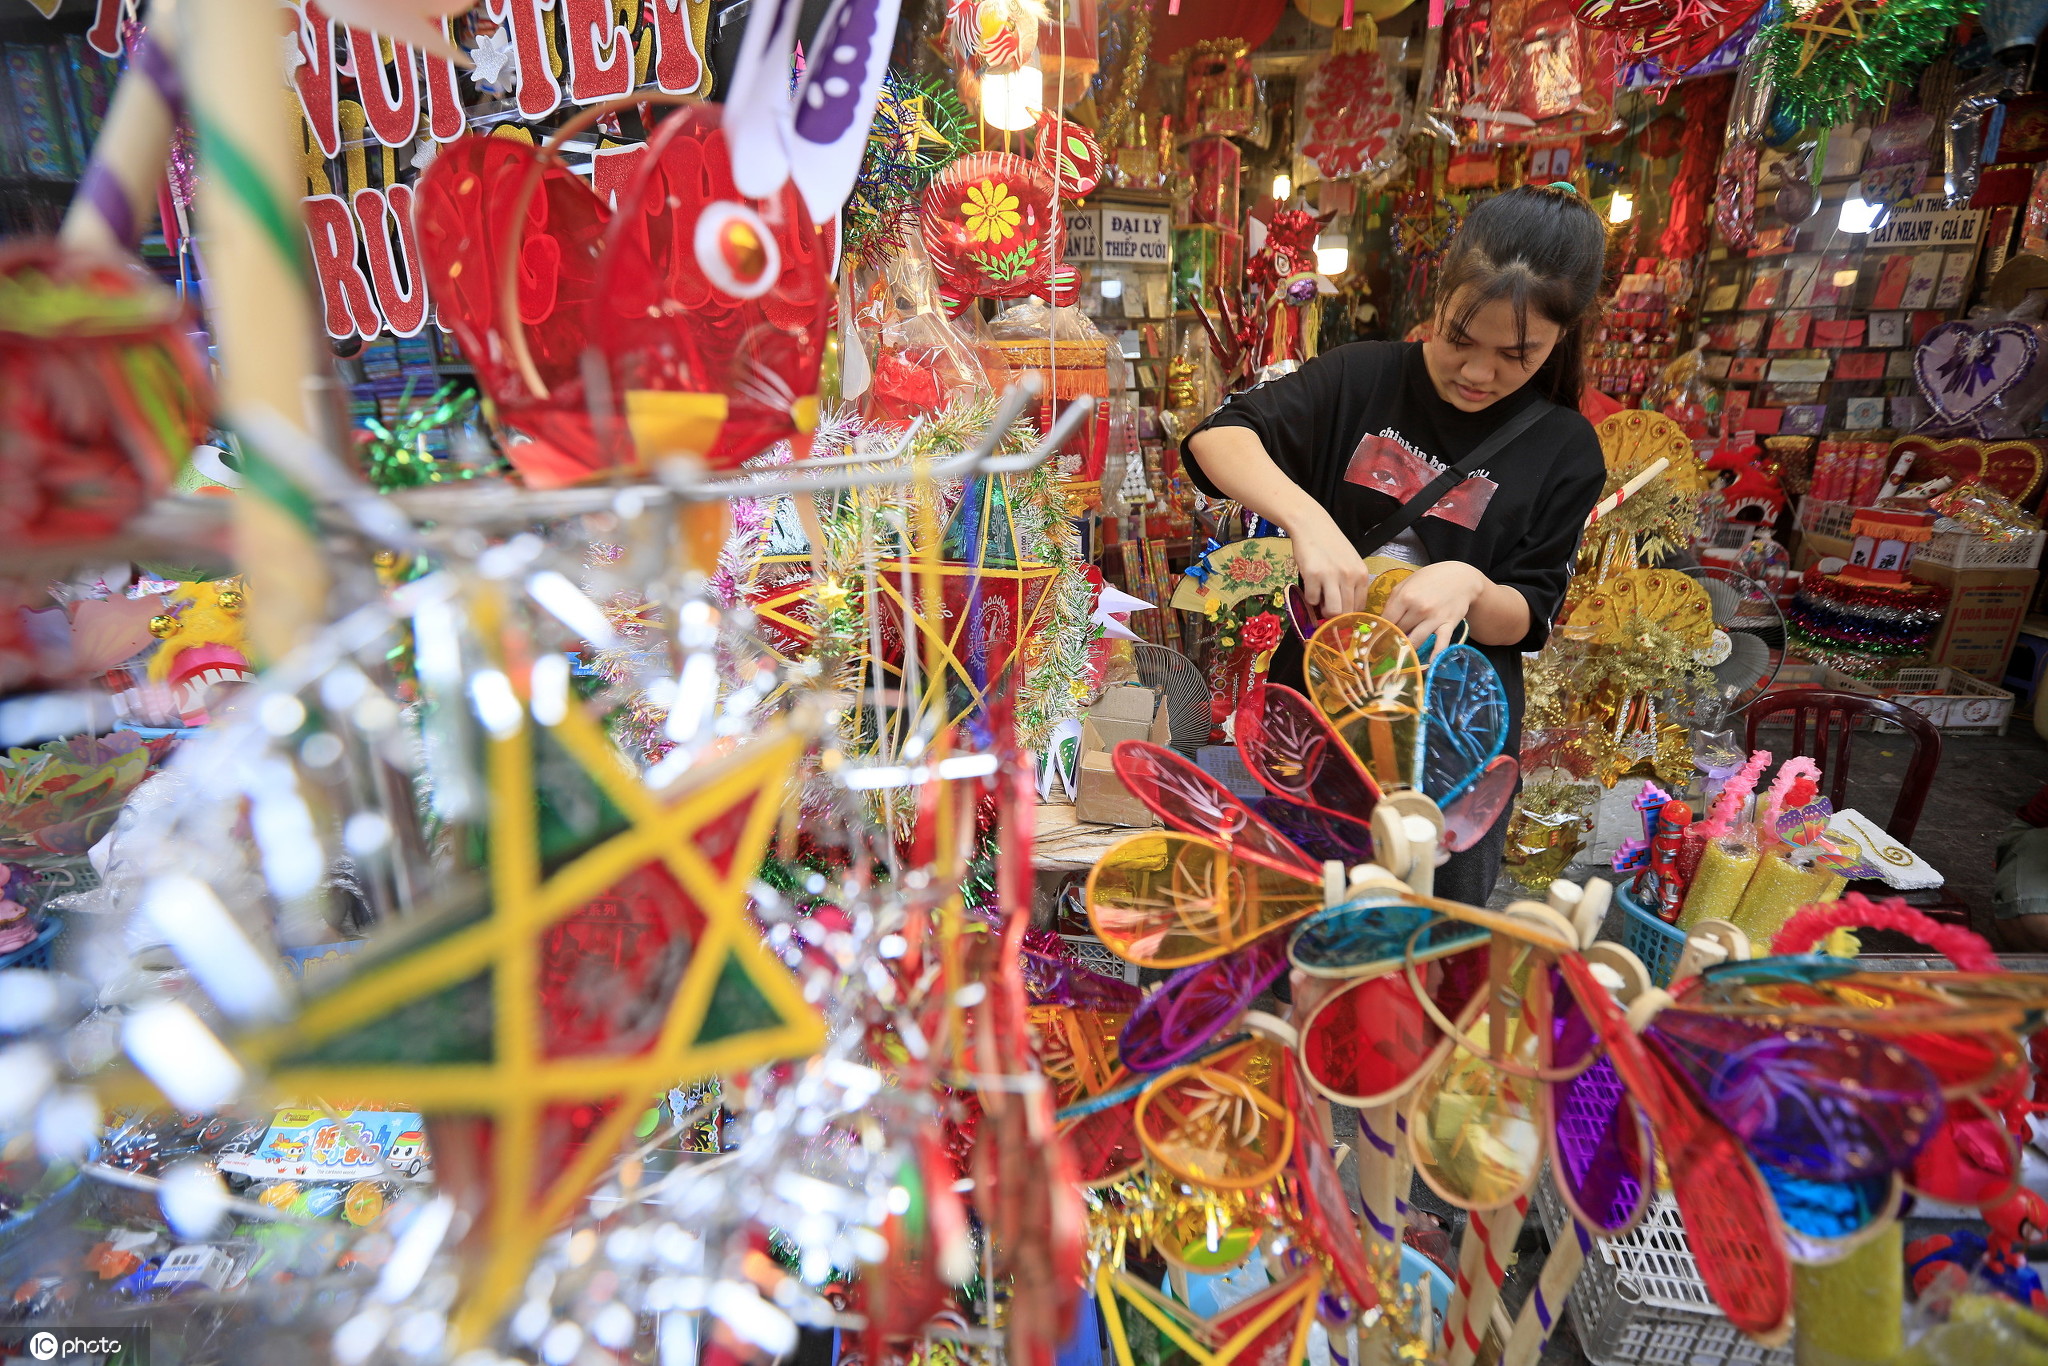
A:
x: 1541, y: 248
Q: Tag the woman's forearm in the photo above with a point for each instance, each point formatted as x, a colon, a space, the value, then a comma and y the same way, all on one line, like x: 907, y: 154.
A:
x: 1333, y: 575
x: 1237, y: 463
x: 1499, y: 616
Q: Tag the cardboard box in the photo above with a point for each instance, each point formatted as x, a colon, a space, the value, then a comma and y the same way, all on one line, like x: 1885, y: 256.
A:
x: 1101, y: 798
x: 1123, y: 712
x: 1125, y: 702
x: 1985, y: 609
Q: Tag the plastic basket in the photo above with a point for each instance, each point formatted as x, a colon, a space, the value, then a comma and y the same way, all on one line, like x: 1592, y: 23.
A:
x: 1097, y: 957
x: 1640, y: 1299
x: 1648, y: 937
x: 1960, y: 549
x: 1826, y: 519
x: 36, y: 953
x: 1953, y: 700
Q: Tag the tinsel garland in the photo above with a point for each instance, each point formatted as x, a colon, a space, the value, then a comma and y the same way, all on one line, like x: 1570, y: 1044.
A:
x: 867, y: 526
x: 920, y: 126
x: 1692, y: 188
x: 396, y: 456
x: 1824, y: 77
x: 1864, y: 629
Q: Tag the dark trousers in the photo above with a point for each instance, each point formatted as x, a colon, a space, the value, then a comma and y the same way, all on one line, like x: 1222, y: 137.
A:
x: 1470, y: 876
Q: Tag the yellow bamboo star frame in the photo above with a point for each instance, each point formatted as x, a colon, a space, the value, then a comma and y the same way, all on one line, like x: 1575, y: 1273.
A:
x: 946, y: 645
x: 518, y: 1083
x: 1296, y: 1296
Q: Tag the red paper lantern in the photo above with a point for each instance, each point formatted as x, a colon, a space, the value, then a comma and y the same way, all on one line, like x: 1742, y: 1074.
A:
x: 1069, y: 154
x: 708, y: 308
x: 991, y: 225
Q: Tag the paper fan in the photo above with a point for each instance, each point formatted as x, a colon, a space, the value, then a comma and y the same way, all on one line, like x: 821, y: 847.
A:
x: 1364, y: 677
x: 1615, y: 611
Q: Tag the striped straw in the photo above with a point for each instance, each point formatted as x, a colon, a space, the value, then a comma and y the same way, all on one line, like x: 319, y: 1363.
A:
x: 1546, y: 1302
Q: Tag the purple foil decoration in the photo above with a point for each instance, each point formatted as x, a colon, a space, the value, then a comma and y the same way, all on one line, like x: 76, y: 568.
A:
x: 1828, y: 1105
x: 1056, y: 981
x: 1192, y: 1006
x: 1604, y: 1154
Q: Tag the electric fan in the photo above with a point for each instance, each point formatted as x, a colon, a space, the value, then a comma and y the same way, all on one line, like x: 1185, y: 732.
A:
x: 1177, y: 678
x: 1748, y: 644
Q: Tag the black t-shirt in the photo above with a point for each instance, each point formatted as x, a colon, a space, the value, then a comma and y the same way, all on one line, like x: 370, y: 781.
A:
x: 1364, y: 418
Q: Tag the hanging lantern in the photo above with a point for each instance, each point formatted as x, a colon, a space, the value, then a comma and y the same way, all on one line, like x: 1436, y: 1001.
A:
x: 991, y: 225
x: 1069, y: 154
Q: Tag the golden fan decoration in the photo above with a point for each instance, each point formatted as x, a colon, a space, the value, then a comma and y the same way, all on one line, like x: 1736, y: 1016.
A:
x: 1665, y: 515
x: 1614, y: 612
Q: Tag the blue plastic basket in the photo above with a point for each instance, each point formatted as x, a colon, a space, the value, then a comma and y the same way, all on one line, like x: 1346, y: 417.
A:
x: 1649, y: 938
x: 36, y: 953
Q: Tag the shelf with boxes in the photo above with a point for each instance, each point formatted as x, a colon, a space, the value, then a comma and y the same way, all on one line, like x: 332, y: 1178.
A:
x: 1813, y: 330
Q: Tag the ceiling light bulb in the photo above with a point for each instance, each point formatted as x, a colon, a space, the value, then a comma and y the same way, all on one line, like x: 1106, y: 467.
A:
x: 1283, y: 185
x: 1012, y: 100
x: 1859, y: 215
x: 1621, y: 208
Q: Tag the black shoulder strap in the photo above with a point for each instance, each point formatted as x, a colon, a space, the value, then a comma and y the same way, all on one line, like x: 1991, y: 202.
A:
x: 1411, y: 511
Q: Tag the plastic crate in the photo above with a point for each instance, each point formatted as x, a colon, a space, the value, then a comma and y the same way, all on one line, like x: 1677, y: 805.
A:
x: 1226, y: 766
x: 1097, y: 957
x: 1826, y: 519
x: 1959, y: 549
x: 1640, y: 1300
x: 37, y: 952
x: 1953, y: 700
x: 1648, y: 937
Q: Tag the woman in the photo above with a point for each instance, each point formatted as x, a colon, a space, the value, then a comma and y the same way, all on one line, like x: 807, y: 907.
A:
x: 1361, y: 451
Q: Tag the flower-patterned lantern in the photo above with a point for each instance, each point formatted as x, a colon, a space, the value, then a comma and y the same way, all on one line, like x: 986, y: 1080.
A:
x: 991, y: 224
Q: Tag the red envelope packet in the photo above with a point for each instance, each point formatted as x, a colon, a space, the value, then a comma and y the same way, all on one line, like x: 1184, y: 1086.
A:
x: 1860, y: 365
x: 1838, y: 332
x: 1789, y: 331
x: 1891, y: 282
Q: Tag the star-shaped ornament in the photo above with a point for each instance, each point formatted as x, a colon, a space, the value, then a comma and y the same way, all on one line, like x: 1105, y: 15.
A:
x: 495, y: 63
x: 612, y: 959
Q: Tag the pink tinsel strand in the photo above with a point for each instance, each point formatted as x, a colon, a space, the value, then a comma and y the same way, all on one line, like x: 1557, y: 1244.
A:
x: 1728, y: 806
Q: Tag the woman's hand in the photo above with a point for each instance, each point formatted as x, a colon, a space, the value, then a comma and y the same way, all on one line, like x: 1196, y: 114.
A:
x: 1434, y: 599
x: 1334, y: 578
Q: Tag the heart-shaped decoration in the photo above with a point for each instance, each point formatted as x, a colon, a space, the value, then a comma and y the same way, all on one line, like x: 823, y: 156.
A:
x: 707, y: 309
x: 1464, y: 722
x: 1467, y: 819
x: 2013, y: 468
x: 1964, y: 368
x: 1173, y: 1024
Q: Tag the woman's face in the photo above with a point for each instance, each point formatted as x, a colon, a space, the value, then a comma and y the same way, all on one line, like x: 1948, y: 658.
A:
x: 1479, y: 365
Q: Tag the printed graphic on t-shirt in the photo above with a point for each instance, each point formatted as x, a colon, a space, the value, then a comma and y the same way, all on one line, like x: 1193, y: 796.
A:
x: 1386, y: 463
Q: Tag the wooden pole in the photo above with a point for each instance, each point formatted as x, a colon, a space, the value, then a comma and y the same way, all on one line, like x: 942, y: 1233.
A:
x: 259, y: 306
